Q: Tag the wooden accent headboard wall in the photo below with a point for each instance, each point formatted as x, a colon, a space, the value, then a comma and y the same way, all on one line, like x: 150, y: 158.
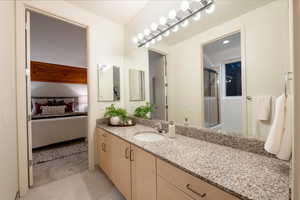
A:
x: 47, y: 72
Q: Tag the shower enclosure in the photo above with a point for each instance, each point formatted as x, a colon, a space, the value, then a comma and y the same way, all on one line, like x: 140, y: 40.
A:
x: 211, y: 98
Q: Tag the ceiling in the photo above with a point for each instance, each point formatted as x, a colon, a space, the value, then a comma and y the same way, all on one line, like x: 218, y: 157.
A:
x: 218, y: 45
x: 119, y: 11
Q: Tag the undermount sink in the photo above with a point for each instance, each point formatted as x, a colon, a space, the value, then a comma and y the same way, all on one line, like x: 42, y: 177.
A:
x: 148, y: 136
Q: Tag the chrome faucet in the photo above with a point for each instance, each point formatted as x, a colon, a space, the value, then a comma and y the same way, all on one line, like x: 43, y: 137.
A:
x: 159, y: 127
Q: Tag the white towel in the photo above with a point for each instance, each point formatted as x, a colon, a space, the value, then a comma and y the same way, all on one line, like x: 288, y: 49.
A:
x: 274, y: 139
x: 286, y: 145
x: 262, y: 107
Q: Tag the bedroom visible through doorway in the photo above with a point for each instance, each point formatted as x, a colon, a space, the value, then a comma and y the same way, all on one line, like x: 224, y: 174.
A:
x: 57, y: 92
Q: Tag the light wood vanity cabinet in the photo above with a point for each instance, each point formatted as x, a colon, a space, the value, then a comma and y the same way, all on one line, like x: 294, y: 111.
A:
x: 132, y: 170
x: 143, y: 173
x: 139, y: 175
x: 121, y: 169
x: 167, y: 191
x: 190, y: 185
x: 104, y: 151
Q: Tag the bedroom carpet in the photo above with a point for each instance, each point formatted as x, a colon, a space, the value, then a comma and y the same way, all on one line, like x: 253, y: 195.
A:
x: 57, y: 151
x: 59, y: 161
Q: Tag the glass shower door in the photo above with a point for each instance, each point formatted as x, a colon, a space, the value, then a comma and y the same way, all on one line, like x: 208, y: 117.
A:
x: 211, y: 98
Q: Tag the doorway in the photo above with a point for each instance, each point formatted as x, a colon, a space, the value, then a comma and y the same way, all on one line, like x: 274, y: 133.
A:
x: 223, y: 95
x: 158, y: 85
x: 57, y: 98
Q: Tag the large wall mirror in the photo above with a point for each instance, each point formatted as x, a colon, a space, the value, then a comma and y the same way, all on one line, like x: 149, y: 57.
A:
x: 224, y: 71
x: 137, y: 85
x: 108, y: 83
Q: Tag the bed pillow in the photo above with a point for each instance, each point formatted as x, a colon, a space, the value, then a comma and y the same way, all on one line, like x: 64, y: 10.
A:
x: 53, y: 110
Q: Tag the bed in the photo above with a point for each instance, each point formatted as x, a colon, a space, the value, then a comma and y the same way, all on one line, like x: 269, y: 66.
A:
x: 57, y: 119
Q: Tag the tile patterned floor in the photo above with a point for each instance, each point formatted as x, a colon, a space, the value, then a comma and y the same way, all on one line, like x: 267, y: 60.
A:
x: 82, y: 186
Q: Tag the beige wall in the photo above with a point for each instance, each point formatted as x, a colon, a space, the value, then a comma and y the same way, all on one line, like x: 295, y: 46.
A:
x: 8, y: 130
x: 105, y: 46
x: 266, y: 60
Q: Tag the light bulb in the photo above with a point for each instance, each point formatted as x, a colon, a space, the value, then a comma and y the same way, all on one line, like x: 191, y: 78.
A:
x: 147, y: 32
x: 172, y: 14
x: 147, y: 45
x: 154, y: 26
x: 167, y: 33
x: 185, y: 5
x: 140, y: 36
x: 226, y: 42
x: 197, y: 16
x: 135, y: 40
x: 163, y: 21
x: 210, y: 9
x: 153, y: 41
x: 159, y: 38
x: 175, y: 29
x: 185, y: 23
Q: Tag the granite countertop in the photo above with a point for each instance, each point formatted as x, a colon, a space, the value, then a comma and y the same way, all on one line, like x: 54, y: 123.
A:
x: 243, y: 174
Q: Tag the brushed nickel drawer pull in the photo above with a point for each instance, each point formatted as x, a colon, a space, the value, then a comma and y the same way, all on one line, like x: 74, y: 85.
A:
x: 102, y: 147
x: 104, y: 135
x: 127, y: 155
x: 202, y: 195
x: 131, y: 155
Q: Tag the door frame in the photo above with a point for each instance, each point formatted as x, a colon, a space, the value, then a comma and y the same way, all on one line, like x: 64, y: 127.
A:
x: 220, y: 35
x: 23, y: 159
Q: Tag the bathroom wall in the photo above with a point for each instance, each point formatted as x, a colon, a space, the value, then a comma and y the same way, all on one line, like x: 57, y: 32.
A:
x: 266, y: 26
x: 8, y: 130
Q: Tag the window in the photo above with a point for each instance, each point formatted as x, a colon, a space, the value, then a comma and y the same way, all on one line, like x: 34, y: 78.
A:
x: 233, y: 80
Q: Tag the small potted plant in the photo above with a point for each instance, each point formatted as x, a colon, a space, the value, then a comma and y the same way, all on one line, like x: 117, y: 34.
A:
x: 144, y: 111
x: 116, y: 115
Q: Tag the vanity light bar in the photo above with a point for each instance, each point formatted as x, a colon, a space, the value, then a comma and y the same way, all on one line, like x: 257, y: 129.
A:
x: 151, y: 37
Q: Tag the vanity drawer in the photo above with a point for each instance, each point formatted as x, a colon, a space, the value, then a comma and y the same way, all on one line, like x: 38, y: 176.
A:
x: 101, y: 133
x: 189, y: 184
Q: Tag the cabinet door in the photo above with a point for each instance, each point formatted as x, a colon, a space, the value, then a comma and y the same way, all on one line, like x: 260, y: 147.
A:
x: 143, y: 173
x: 167, y: 191
x: 121, y: 176
x: 104, y: 149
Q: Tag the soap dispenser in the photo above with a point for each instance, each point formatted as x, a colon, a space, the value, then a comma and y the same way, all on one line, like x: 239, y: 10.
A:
x: 172, y: 131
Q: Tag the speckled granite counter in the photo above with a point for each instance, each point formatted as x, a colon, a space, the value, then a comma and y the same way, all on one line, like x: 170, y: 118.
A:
x: 243, y: 174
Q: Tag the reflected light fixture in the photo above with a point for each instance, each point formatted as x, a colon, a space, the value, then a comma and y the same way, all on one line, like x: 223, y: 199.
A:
x: 172, y: 14
x: 185, y: 5
x: 173, y: 21
x: 210, y: 9
x: 226, y: 42
x: 185, y: 23
x: 197, y: 17
x: 175, y: 29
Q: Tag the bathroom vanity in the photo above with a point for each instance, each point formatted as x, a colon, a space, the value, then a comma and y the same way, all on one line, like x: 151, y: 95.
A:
x: 185, y: 168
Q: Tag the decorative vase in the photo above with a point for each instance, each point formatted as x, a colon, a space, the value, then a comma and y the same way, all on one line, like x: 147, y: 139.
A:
x: 115, y: 120
x: 148, y: 115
